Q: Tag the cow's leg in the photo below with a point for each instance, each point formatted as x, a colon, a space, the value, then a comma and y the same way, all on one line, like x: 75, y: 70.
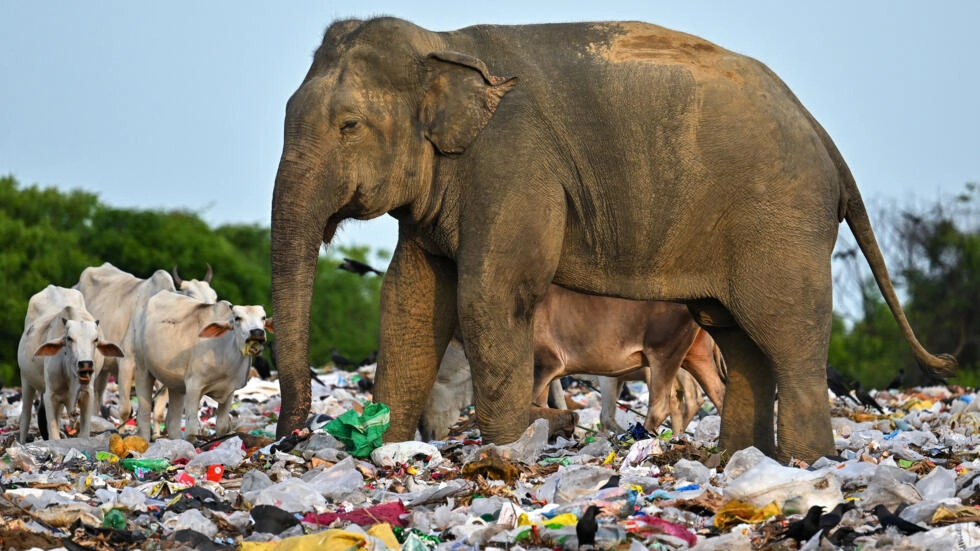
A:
x: 609, y: 388
x: 144, y: 393
x: 99, y: 384
x: 26, y: 409
x: 124, y: 378
x: 192, y: 410
x: 222, y: 423
x: 556, y: 395
x: 52, y: 406
x: 660, y: 385
x: 160, y: 406
x: 85, y: 412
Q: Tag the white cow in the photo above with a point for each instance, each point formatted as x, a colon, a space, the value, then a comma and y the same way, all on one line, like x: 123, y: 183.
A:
x: 114, y: 297
x: 194, y: 349
x: 61, y: 350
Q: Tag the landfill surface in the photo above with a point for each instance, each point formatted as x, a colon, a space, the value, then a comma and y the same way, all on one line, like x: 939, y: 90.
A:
x: 332, y: 486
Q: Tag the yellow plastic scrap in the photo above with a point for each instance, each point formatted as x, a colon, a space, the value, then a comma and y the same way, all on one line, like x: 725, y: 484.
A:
x: 955, y: 514
x: 333, y: 539
x: 738, y: 512
x: 919, y: 404
x: 383, y: 532
x: 122, y: 446
x: 564, y: 519
x: 610, y: 458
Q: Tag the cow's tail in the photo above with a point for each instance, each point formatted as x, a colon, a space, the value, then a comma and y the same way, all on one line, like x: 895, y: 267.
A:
x: 720, y: 364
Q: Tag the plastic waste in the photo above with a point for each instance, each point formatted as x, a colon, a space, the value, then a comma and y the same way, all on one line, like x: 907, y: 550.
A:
x: 337, y: 481
x: 397, y: 453
x: 692, y: 471
x: 193, y: 519
x: 229, y: 453
x: 141, y: 466
x: 56, y: 449
x: 114, y: 519
x: 743, y: 460
x: 940, y: 483
x: 361, y: 433
x: 66, y: 514
x: 254, y: 480
x: 529, y: 446
x: 890, y: 486
x: 768, y: 482
x: 708, y: 429
x: 572, y: 482
x: 293, y: 495
x: 172, y: 450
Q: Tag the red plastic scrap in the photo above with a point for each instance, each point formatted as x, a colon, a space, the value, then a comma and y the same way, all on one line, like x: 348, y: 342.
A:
x: 386, y: 512
x: 646, y: 524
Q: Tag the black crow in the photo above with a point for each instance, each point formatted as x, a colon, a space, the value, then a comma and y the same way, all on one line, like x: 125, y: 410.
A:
x: 369, y: 359
x: 887, y: 518
x: 586, y: 527
x: 899, y: 381
x: 804, y: 529
x: 865, y: 398
x: 357, y: 267
x: 340, y: 361
x: 261, y: 366
x: 836, y: 383
x: 829, y: 520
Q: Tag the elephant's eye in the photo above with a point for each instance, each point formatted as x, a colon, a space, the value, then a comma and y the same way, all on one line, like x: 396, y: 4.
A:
x: 348, y: 126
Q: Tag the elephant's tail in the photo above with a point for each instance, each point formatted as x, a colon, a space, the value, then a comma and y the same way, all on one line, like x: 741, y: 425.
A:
x: 852, y: 209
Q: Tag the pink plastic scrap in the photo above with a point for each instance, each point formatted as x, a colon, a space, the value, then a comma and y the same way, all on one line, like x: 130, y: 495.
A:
x: 646, y: 524
x: 386, y: 512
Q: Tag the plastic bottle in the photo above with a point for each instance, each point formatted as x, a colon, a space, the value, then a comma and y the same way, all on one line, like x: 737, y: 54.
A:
x: 146, y: 464
x: 114, y: 519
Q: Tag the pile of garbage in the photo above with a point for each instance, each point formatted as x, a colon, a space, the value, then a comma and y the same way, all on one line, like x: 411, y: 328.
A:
x: 904, y: 478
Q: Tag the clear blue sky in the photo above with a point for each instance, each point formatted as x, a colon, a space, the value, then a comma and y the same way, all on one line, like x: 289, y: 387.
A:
x: 180, y: 104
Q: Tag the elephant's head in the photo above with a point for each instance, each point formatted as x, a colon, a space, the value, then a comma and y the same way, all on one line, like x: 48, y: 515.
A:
x: 363, y: 133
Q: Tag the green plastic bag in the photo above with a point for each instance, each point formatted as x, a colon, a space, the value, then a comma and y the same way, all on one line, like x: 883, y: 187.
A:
x: 361, y: 433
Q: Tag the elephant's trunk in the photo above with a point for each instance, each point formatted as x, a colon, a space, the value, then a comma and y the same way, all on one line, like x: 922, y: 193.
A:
x: 300, y: 223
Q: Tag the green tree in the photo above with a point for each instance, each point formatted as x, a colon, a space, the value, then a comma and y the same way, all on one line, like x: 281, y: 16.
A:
x: 942, y: 278
x: 345, y: 309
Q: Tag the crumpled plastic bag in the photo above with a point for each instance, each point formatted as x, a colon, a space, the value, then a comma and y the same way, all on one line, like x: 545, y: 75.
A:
x: 738, y: 512
x: 361, y: 433
x: 392, y: 513
x: 378, y: 537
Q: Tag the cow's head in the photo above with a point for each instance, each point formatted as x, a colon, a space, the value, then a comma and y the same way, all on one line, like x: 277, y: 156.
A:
x: 83, y: 346
x: 199, y: 289
x: 249, y: 325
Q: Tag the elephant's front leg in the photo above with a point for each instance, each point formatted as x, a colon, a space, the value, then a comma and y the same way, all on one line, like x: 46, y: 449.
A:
x: 418, y: 316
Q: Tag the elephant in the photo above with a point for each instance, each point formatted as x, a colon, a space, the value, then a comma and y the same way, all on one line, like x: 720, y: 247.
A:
x: 620, y: 159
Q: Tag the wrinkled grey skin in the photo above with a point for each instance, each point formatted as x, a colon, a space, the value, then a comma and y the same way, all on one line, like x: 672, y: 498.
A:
x: 619, y: 159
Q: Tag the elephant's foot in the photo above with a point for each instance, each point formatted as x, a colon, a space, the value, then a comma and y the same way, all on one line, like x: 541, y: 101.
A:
x: 561, y: 422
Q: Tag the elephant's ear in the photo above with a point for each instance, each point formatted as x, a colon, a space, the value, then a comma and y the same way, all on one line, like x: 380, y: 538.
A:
x: 460, y: 97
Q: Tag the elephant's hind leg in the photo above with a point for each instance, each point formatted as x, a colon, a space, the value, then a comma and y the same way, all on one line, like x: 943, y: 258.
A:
x: 747, y: 413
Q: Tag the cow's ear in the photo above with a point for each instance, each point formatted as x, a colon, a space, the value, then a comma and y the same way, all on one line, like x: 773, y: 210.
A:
x: 110, y: 350
x: 50, y: 348
x: 269, y: 326
x: 215, y: 329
